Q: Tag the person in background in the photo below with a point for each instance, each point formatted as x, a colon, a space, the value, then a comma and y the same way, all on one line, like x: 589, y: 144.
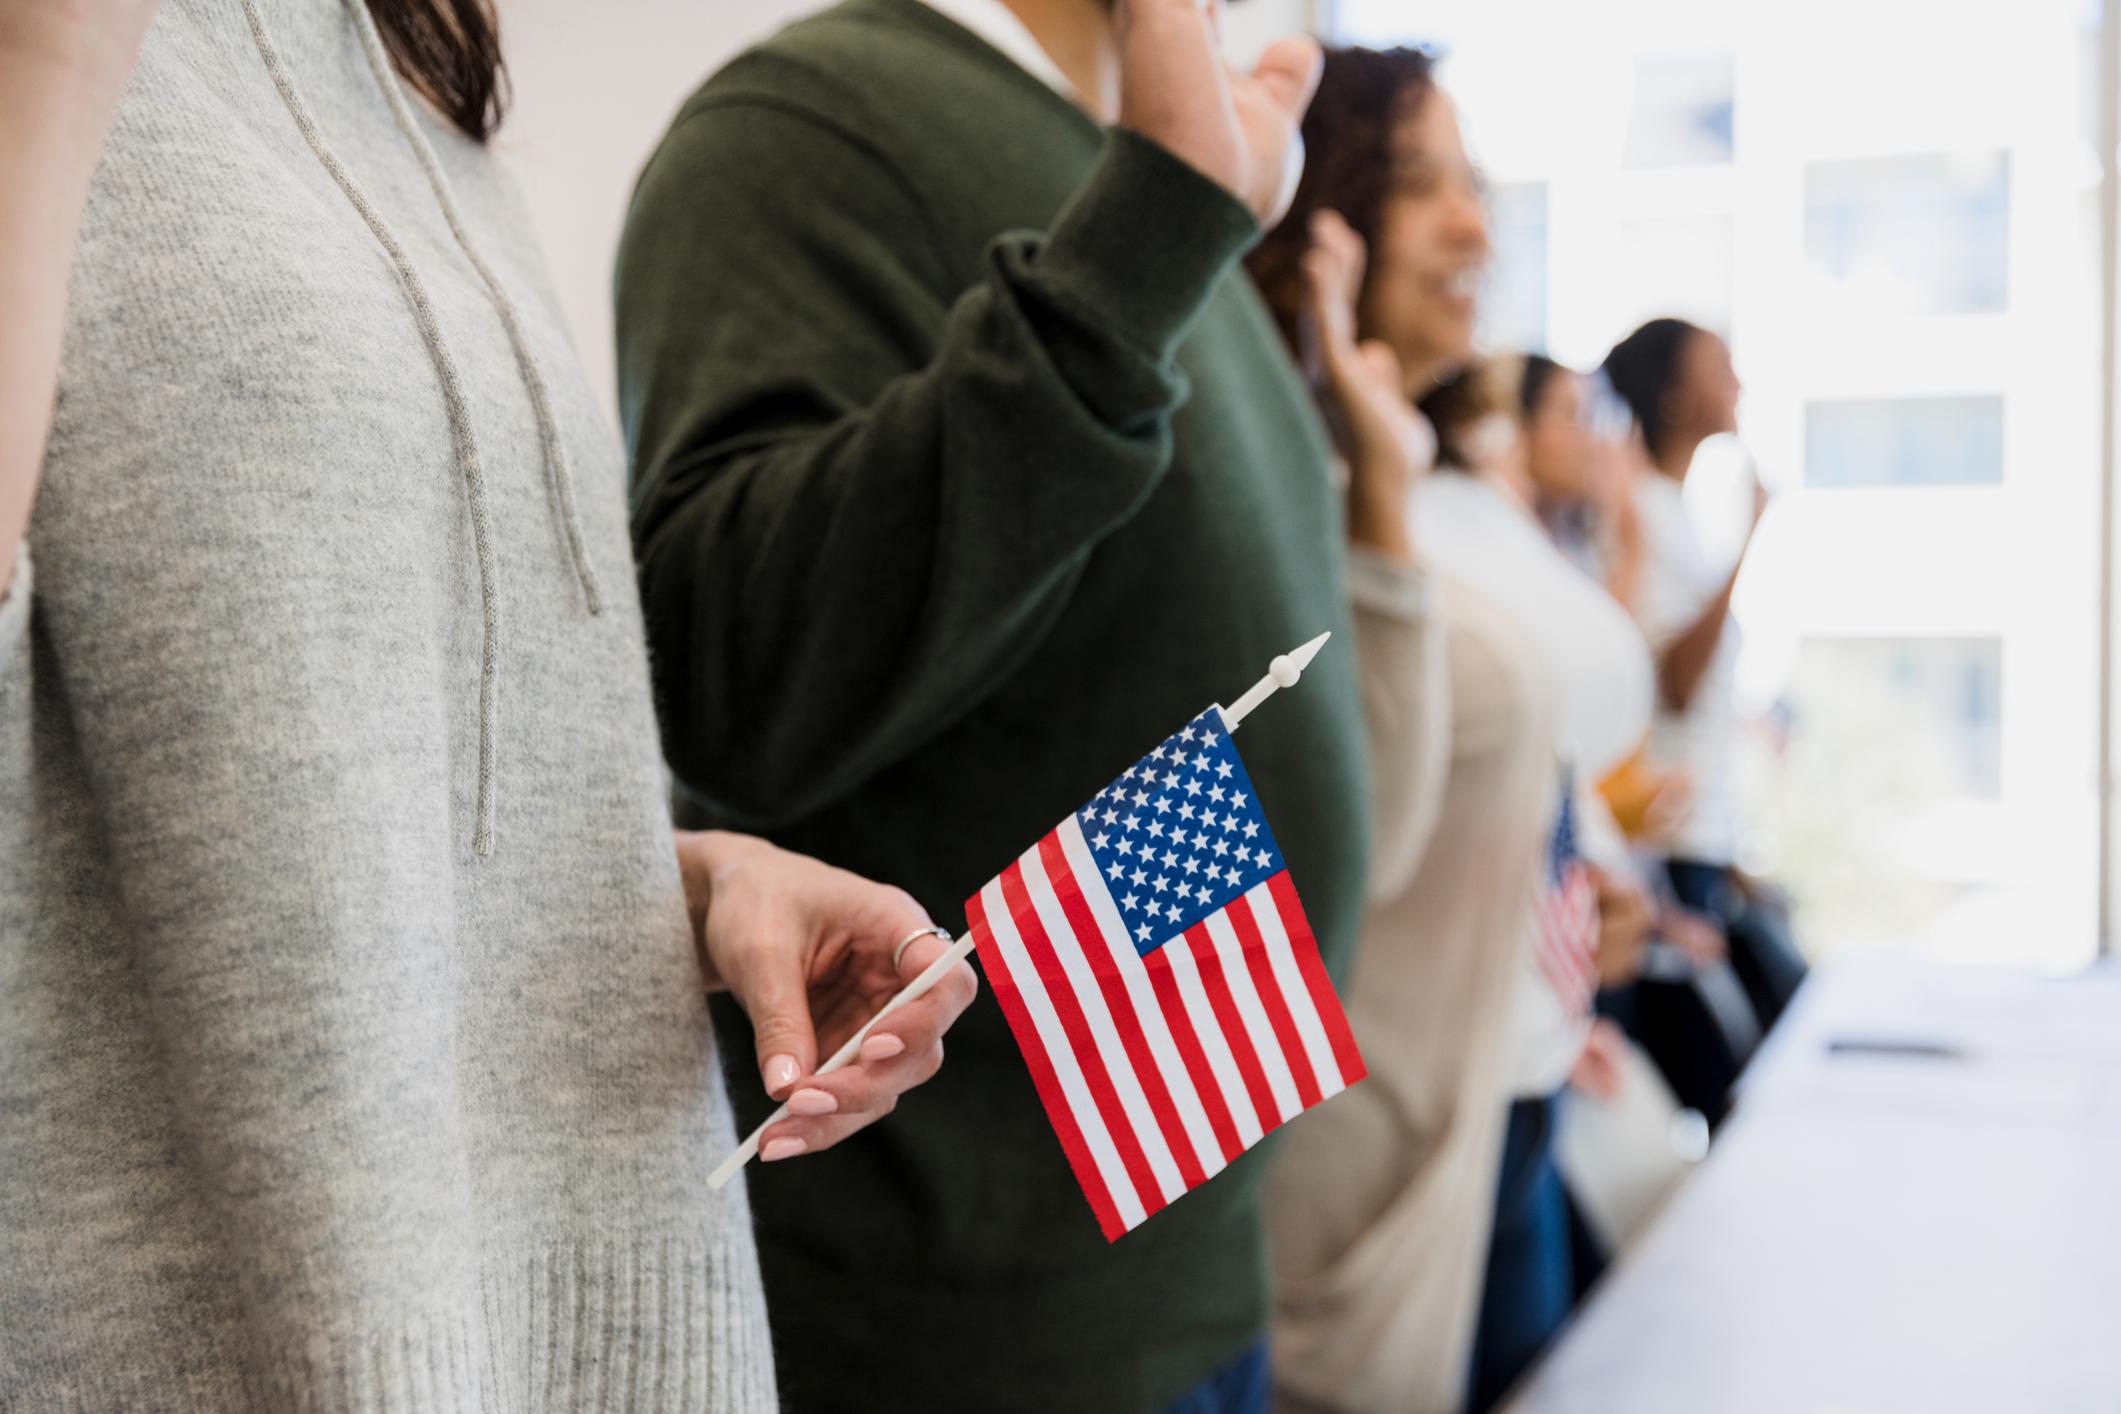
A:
x: 1678, y: 381
x: 354, y: 1052
x: 966, y: 465
x: 1478, y: 518
x: 1379, y: 1202
x: 1581, y: 460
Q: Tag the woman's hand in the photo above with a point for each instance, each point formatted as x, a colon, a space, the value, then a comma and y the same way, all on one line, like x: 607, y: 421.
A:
x: 1623, y: 926
x: 1390, y: 444
x: 806, y: 950
x: 1602, y: 1068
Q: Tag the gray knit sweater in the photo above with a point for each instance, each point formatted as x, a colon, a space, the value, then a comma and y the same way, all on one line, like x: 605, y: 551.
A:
x: 352, y: 1048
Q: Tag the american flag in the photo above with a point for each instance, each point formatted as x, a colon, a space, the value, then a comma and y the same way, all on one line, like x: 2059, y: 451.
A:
x: 1567, y: 945
x: 1161, y: 978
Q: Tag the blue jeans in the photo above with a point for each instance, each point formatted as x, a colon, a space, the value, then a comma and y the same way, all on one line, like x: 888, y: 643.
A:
x: 1531, y: 1279
x: 1241, y: 1387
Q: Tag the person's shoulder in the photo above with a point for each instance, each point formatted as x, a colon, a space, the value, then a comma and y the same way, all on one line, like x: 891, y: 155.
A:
x: 864, y: 66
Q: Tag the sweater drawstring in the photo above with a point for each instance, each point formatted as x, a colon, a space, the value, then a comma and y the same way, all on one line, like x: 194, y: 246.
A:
x: 463, y: 438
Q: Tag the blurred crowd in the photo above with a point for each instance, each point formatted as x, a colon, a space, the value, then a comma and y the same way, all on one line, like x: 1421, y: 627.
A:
x: 1561, y: 942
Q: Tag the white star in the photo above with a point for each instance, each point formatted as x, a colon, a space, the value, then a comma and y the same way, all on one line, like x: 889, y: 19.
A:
x: 1171, y: 912
x: 1137, y: 878
x: 1170, y: 859
x: 1132, y: 823
x: 1162, y: 885
x: 1157, y: 754
x: 1185, y: 812
x: 1222, y: 770
x: 1237, y: 799
x: 1215, y: 872
x: 1142, y: 931
x: 1222, y: 846
x: 1216, y: 794
x: 1192, y: 787
x: 1263, y: 857
x: 1200, y: 762
x: 1130, y: 903
x: 1126, y: 846
x: 1187, y: 733
x: 1101, y: 840
x: 1116, y: 868
x: 1251, y: 828
x: 1110, y: 815
x: 1156, y: 829
x: 1192, y: 865
x: 1185, y: 890
x: 1207, y: 738
x: 1141, y: 799
x: 1163, y: 804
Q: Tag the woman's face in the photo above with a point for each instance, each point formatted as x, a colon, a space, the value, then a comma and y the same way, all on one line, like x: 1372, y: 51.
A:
x: 1432, y: 245
x: 1558, y: 440
x: 1705, y: 395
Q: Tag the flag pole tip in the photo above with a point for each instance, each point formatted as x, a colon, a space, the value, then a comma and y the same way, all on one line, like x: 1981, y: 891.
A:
x: 1300, y: 659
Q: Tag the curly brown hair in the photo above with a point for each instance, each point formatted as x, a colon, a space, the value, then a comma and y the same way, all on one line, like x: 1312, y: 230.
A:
x: 1363, y: 98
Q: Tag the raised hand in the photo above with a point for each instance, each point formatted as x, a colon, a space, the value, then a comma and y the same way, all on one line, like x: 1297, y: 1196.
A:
x: 1241, y: 130
x: 1389, y: 443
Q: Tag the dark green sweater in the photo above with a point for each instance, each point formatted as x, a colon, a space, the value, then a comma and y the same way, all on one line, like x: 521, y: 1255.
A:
x: 968, y: 466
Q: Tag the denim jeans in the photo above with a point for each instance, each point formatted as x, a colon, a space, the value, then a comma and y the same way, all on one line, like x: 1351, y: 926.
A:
x: 1243, y: 1386
x: 1531, y: 1281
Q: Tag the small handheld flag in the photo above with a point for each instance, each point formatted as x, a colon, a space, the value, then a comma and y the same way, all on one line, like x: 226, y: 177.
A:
x: 1159, y: 974
x: 1566, y: 947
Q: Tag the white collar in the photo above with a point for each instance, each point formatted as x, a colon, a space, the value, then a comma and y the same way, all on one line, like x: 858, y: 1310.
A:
x: 998, y: 25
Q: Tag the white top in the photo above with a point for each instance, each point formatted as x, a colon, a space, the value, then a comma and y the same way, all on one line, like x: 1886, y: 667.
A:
x: 1473, y: 530
x: 997, y: 24
x: 1679, y: 577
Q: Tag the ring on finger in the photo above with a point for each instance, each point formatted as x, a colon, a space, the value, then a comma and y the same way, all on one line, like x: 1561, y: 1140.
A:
x: 913, y: 937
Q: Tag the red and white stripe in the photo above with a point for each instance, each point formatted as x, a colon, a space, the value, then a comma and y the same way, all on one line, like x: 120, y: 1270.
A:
x: 1157, y: 1071
x: 1567, y: 946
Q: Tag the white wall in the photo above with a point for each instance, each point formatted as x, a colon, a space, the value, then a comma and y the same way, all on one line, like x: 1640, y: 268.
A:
x: 596, y: 84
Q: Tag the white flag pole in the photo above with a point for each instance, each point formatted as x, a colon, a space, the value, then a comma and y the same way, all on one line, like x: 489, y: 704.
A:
x: 1282, y: 672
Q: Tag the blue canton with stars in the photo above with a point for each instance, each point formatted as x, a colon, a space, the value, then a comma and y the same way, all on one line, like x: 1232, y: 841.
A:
x: 1180, y: 833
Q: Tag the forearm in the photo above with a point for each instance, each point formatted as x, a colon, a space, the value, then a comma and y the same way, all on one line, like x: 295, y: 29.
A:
x: 60, y: 77
x: 1377, y: 518
x: 837, y: 551
x: 1686, y: 660
x: 1404, y: 676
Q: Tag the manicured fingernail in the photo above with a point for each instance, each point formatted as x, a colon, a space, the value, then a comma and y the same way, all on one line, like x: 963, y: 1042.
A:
x: 813, y: 1102
x: 878, y: 1048
x: 782, y: 1149
x: 781, y: 1072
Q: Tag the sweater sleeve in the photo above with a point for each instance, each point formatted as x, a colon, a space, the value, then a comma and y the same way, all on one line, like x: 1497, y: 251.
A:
x: 1403, y: 671
x: 859, y: 502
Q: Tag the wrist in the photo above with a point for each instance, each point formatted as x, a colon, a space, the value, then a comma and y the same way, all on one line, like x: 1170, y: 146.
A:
x: 1377, y: 520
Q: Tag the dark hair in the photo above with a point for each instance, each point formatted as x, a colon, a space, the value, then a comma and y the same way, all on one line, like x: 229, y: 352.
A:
x: 1473, y: 393
x: 450, y: 52
x: 1539, y: 375
x: 1363, y: 96
x: 1644, y: 368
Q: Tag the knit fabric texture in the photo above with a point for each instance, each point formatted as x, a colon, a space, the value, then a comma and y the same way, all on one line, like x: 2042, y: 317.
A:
x: 353, y: 1053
